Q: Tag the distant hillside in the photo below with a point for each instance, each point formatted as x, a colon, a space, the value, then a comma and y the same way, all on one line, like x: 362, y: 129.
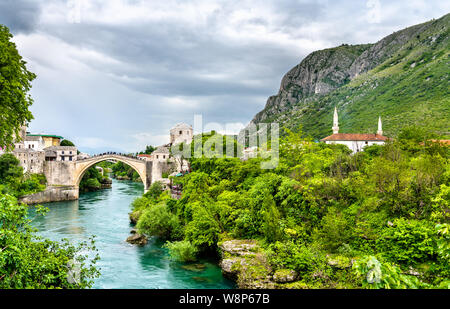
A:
x: 404, y: 78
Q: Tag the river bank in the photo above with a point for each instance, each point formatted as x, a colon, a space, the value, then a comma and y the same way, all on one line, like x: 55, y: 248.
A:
x: 51, y: 194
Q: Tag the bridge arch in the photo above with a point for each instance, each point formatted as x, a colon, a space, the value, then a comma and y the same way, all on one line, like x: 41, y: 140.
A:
x: 138, y: 165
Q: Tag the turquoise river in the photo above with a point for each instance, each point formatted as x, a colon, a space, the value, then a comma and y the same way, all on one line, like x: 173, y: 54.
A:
x: 105, y: 214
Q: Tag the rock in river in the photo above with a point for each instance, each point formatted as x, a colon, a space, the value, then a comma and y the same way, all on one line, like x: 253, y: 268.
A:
x: 137, y: 239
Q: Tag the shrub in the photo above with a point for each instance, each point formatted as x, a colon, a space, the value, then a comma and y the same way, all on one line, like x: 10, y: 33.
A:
x: 334, y: 231
x: 155, y: 190
x: 92, y: 184
x: 408, y: 241
x: 140, y: 203
x: 289, y: 255
x: 204, y: 229
x: 383, y: 275
x: 182, y: 251
x: 159, y: 221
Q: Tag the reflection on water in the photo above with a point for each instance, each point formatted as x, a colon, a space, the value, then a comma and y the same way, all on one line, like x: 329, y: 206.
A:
x: 105, y: 214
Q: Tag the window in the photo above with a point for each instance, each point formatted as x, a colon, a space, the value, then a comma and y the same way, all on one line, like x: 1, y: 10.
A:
x: 70, y: 158
x: 157, y: 156
x: 181, y: 132
x: 367, y: 142
x: 164, y: 157
x: 63, y: 152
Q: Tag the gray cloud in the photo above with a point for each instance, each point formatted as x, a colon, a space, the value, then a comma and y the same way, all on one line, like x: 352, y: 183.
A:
x: 21, y: 16
x: 134, y: 68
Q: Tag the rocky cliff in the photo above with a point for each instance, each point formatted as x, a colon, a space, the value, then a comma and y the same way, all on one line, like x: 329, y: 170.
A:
x: 358, y: 78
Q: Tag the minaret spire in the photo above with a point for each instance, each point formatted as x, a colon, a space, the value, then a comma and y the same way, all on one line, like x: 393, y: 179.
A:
x: 335, y: 122
x: 380, y: 128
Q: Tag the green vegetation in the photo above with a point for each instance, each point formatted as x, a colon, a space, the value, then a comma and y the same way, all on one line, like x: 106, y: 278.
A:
x: 15, y: 83
x: 93, y: 179
x: 181, y: 251
x: 14, y: 182
x: 123, y: 171
x: 67, y: 143
x: 376, y: 219
x: 28, y: 261
x: 148, y: 150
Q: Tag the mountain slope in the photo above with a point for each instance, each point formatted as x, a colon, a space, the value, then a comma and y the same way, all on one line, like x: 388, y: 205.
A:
x: 404, y: 78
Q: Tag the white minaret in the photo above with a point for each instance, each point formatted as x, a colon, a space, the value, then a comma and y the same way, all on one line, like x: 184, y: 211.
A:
x: 380, y: 129
x: 335, y: 122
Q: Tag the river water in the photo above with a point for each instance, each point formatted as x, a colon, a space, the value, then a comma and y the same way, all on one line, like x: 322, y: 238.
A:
x: 122, y: 265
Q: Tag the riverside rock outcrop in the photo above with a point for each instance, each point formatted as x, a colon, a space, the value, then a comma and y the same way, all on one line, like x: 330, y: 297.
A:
x: 137, y: 239
x: 244, y: 262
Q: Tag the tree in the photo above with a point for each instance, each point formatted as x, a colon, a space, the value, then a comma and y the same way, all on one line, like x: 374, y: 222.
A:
x: 10, y: 169
x: 28, y: 261
x: 66, y: 142
x: 148, y: 150
x: 15, y: 83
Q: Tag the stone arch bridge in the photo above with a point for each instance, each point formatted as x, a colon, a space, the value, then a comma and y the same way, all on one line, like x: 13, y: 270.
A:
x: 63, y: 177
x: 142, y: 167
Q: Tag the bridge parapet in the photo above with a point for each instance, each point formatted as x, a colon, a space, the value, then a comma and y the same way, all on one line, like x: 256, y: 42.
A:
x: 109, y: 156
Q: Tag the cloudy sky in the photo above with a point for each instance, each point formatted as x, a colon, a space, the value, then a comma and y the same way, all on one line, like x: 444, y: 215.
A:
x: 117, y: 74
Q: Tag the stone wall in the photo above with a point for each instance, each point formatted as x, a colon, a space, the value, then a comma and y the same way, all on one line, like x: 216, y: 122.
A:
x: 59, y: 173
x: 158, y: 168
x: 51, y: 194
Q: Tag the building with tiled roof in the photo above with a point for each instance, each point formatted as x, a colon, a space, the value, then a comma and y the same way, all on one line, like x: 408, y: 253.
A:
x: 355, y: 141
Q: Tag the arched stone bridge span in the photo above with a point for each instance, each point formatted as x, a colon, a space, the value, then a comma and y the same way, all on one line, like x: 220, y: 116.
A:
x: 142, y: 167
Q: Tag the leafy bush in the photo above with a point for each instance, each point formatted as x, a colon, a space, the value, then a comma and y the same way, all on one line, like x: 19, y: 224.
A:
x: 28, y: 261
x: 408, y: 241
x: 334, y: 231
x: 289, y: 255
x: 204, y: 229
x: 182, y: 251
x: 154, y: 191
x: 159, y: 221
x: 382, y: 275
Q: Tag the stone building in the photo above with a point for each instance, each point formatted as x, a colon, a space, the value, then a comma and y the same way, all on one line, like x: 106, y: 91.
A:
x: 161, y: 154
x: 34, y: 142
x: 181, y: 133
x: 61, y: 153
x: 32, y: 161
x: 33, y: 150
x: 356, y: 142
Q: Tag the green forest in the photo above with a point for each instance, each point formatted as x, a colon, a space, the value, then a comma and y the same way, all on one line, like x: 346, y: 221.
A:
x: 376, y: 219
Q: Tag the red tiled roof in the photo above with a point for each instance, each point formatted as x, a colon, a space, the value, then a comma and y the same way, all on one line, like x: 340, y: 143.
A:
x: 144, y: 155
x: 354, y: 137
